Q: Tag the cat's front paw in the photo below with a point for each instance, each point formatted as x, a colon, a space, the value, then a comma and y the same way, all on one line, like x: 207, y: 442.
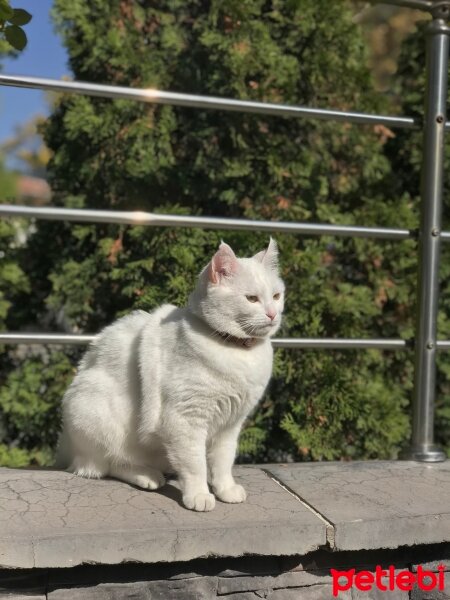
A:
x: 201, y: 502
x: 232, y: 494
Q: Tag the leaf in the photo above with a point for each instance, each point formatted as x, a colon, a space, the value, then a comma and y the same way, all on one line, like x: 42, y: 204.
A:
x: 6, y: 12
x: 20, y: 17
x: 16, y: 37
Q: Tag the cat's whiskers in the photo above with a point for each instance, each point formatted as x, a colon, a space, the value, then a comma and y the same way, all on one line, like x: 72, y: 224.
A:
x: 250, y: 326
x: 220, y: 334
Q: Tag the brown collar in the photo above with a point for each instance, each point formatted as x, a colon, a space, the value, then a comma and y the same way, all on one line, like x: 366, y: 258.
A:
x: 243, y: 342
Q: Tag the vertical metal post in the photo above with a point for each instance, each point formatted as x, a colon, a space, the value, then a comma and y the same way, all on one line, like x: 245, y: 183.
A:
x: 423, y: 448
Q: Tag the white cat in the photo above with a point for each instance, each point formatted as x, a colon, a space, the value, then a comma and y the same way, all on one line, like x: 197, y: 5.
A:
x: 168, y: 391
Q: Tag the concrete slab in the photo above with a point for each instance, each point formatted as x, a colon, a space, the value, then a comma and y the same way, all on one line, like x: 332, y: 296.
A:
x: 55, y: 519
x: 375, y: 504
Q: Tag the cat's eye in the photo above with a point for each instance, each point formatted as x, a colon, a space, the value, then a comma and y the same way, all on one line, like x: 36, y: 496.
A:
x: 277, y: 296
x: 252, y: 298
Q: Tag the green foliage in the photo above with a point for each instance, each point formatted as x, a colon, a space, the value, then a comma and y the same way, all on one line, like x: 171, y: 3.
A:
x: 124, y: 155
x: 14, y: 457
x: 346, y: 412
x: 12, y: 277
x: 29, y: 408
x: 12, y: 282
x: 11, y: 21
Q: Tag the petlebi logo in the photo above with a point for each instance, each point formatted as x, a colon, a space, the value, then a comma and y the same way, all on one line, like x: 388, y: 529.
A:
x: 387, y: 580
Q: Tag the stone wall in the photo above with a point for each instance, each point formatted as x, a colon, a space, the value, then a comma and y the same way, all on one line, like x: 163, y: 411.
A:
x: 247, y: 578
x: 67, y: 538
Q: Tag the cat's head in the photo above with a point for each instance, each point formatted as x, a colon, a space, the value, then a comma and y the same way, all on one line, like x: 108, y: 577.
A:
x: 241, y: 297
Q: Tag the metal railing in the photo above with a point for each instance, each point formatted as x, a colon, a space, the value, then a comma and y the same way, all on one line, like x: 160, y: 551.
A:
x: 429, y: 234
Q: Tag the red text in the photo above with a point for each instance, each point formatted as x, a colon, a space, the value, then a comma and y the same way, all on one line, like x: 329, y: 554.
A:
x: 387, y: 579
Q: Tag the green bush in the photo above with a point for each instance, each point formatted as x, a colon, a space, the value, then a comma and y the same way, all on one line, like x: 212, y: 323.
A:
x: 29, y: 409
x: 124, y: 155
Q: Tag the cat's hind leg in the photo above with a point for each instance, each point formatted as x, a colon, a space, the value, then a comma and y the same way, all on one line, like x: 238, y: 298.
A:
x: 146, y: 478
x: 82, y: 457
x: 98, y: 439
x: 85, y: 466
x: 95, y: 466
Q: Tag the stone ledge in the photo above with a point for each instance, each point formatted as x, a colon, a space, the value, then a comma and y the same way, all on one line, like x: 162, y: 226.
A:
x: 55, y: 519
x: 51, y: 519
x: 375, y: 504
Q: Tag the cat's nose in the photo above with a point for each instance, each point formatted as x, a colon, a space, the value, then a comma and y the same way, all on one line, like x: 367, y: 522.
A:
x: 271, y: 314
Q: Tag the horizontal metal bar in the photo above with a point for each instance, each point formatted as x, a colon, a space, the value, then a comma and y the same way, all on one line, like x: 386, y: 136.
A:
x: 156, y: 220
x: 83, y: 215
x: 425, y: 5
x: 339, y: 344
x: 289, y: 343
x: 443, y: 344
x: 209, y: 102
x: 45, y: 338
x: 439, y: 9
x: 12, y: 338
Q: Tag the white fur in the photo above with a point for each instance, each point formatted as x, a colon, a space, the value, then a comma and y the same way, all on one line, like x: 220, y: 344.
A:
x: 168, y: 392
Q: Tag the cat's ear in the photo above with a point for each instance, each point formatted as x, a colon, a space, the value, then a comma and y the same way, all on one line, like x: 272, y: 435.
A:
x: 269, y: 256
x: 223, y: 264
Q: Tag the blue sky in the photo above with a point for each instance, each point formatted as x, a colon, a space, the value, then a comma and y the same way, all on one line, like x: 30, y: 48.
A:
x: 44, y: 56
